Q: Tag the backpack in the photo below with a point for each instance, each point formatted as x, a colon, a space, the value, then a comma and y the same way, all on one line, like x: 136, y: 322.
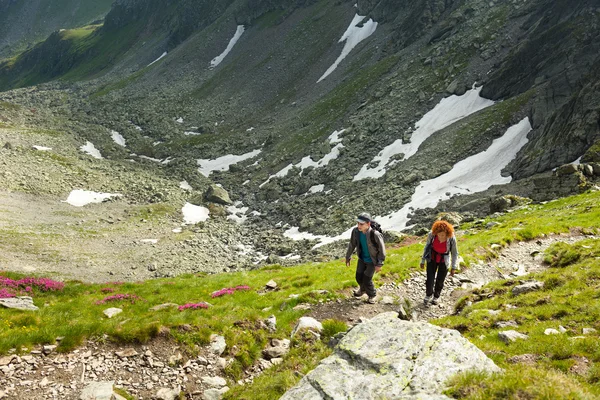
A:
x: 375, y: 226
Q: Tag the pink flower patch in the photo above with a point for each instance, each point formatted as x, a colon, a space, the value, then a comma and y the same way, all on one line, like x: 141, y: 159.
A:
x: 107, y: 290
x: 193, y: 306
x: 28, y: 284
x: 231, y: 290
x: 5, y: 293
x: 119, y: 297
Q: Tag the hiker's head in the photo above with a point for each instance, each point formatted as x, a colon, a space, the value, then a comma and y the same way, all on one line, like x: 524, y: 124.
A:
x: 442, y: 229
x: 364, y: 222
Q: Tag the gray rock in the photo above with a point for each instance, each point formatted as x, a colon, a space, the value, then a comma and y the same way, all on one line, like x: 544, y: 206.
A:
x: 126, y: 353
x: 111, y: 312
x: 218, y: 195
x: 271, y: 284
x: 214, y: 381
x: 527, y: 287
x: 511, y: 336
x: 551, y: 331
x: 217, y: 344
x: 97, y: 391
x: 387, y: 300
x: 402, y: 314
x: 307, y: 323
x: 566, y: 169
x: 24, y: 303
x: 277, y: 349
x: 589, y: 331
x: 506, y: 324
x: 168, y: 394
x: 386, y: 357
x: 271, y: 323
x: 214, y: 394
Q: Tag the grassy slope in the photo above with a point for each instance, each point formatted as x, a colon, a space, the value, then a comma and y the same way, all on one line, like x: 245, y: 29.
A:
x: 573, y: 291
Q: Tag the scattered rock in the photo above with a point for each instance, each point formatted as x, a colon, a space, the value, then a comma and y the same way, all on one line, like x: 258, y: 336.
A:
x: 527, y: 287
x: 506, y: 324
x: 214, y: 381
x: 589, y: 331
x: 127, y: 353
x: 164, y: 306
x: 218, y: 195
x: 97, y: 391
x: 307, y: 323
x: 551, y: 331
x: 511, y: 336
x: 24, y: 303
x: 271, y: 284
x: 271, y: 323
x: 214, y: 394
x: 217, y: 344
x: 527, y: 359
x: 111, y: 312
x: 168, y: 394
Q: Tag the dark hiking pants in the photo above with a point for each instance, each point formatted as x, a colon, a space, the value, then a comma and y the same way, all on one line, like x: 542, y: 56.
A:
x: 364, y: 277
x: 435, y: 284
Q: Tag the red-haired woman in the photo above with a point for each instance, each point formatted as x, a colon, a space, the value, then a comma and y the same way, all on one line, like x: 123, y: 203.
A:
x: 441, y: 244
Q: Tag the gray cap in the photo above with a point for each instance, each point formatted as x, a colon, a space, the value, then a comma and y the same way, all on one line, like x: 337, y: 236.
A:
x: 363, y: 217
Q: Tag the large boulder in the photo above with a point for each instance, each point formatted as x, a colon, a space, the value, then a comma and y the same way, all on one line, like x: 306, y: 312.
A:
x: 386, y: 357
x: 217, y: 194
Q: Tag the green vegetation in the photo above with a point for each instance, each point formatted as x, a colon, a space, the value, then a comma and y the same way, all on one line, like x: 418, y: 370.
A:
x: 569, y: 298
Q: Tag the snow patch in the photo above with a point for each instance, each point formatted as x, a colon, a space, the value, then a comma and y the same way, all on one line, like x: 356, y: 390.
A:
x: 163, y: 55
x: 179, y: 120
x: 316, y: 189
x: 223, y: 163
x: 445, y: 113
x: 185, y: 185
x: 41, y: 148
x: 151, y: 241
x: 117, y: 138
x: 193, y: 214
x: 353, y: 36
x: 80, y: 198
x: 238, y: 33
x: 334, y: 138
x: 89, y: 148
x: 471, y: 175
x: 237, y: 213
x: 191, y: 133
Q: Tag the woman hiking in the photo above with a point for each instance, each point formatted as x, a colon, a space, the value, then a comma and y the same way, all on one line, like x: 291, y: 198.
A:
x: 439, y: 249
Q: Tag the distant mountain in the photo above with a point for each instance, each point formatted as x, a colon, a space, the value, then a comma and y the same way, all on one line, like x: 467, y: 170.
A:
x: 23, y: 23
x: 230, y: 77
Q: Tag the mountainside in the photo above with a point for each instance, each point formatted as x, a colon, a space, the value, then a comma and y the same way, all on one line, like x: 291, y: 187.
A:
x: 23, y: 23
x: 403, y: 109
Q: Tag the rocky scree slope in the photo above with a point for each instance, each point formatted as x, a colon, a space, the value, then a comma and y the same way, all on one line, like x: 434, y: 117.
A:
x: 536, y: 59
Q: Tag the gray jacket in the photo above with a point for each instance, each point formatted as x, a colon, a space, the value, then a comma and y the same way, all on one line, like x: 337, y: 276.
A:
x: 450, y: 248
x: 376, y: 248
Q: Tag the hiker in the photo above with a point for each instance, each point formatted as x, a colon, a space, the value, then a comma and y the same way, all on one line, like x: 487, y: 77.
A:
x: 370, y: 248
x: 440, y: 245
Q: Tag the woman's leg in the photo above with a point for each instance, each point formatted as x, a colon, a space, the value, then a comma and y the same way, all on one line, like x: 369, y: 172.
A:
x: 439, y: 280
x: 429, y: 284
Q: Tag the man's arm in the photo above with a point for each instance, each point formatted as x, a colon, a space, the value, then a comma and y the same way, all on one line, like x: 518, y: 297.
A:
x: 351, y: 247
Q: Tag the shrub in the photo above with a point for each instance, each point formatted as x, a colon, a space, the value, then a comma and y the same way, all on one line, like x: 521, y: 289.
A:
x: 333, y: 326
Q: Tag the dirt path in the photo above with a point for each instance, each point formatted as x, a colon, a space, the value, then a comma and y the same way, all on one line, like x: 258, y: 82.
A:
x: 516, y: 260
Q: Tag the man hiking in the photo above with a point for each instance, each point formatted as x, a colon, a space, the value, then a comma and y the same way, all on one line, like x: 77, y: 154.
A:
x: 370, y: 248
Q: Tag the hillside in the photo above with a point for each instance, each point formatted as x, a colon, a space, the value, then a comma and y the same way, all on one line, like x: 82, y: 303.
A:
x: 560, y: 369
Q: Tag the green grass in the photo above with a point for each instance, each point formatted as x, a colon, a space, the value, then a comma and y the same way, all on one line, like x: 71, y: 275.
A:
x: 570, y: 299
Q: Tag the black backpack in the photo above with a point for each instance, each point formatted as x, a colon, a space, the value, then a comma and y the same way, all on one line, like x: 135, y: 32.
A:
x: 375, y: 226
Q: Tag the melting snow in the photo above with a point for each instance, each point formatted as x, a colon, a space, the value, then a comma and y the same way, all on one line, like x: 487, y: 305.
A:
x: 292, y: 256
x: 335, y: 137
x: 177, y: 230
x: 471, y: 175
x: 117, y: 138
x: 190, y: 133
x: 223, y: 163
x: 156, y: 160
x: 445, y: 113
x: 353, y: 36
x: 250, y: 129
x: 89, y: 148
x: 236, y: 209
x: 163, y: 55
x: 316, y: 189
x: 179, y: 120
x: 193, y: 214
x: 308, y: 162
x: 80, y: 198
x: 185, y: 185
x: 42, y: 148
x: 577, y: 162
x: 238, y: 33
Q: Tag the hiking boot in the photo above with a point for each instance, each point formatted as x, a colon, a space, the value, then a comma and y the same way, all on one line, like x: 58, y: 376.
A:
x: 435, y: 301
x: 358, y: 293
x: 427, y: 299
x: 372, y: 300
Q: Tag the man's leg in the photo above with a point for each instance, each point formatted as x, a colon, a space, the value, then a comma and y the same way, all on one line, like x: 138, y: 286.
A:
x: 368, y: 285
x: 439, y: 280
x: 431, y: 270
x: 360, y: 272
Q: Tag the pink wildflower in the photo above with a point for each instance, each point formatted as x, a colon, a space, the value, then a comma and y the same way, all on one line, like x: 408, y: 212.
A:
x: 193, y: 306
x: 119, y: 297
x: 225, y: 291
